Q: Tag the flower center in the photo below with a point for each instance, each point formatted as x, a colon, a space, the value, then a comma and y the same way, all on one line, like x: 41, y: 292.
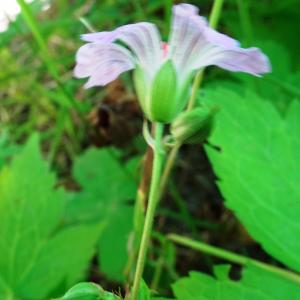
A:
x: 165, y: 49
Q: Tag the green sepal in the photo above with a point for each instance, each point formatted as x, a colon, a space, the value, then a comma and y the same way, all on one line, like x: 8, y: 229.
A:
x: 141, y: 84
x: 193, y: 127
x: 162, y: 104
x: 183, y: 93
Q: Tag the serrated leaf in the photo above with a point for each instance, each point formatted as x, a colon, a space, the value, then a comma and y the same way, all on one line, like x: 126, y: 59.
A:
x: 7, y: 149
x: 255, y: 284
x: 37, y: 253
x: 56, y: 256
x: 107, y: 187
x: 145, y: 293
x: 258, y: 169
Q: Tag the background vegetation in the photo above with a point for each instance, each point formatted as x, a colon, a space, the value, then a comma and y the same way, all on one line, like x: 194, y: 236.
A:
x: 71, y: 159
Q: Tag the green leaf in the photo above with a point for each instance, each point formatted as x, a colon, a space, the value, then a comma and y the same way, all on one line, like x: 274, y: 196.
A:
x: 37, y: 253
x: 7, y: 149
x: 88, y: 291
x: 84, y: 291
x: 145, y: 293
x: 255, y: 284
x: 107, y: 187
x: 258, y: 169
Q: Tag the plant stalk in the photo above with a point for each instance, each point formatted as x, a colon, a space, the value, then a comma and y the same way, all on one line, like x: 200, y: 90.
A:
x: 232, y: 257
x: 150, y: 213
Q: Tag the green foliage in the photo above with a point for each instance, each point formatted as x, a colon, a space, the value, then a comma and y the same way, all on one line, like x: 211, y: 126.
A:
x: 48, y: 236
x: 88, y: 291
x: 145, y: 293
x: 255, y: 284
x: 7, y: 149
x: 92, y: 291
x: 259, y: 185
x: 38, y: 253
x: 281, y: 85
x: 107, y: 187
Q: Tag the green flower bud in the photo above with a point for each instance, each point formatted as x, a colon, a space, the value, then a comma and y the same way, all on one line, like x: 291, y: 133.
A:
x: 192, y: 127
x: 162, y: 98
x: 85, y: 291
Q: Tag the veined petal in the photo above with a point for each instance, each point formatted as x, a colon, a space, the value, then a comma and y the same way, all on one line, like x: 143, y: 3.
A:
x: 195, y: 45
x: 251, y: 60
x: 142, y: 38
x: 187, y: 29
x: 102, y: 63
x: 224, y: 52
x: 220, y: 39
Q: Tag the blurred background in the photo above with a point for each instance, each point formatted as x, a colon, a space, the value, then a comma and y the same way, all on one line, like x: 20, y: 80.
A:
x: 38, y: 93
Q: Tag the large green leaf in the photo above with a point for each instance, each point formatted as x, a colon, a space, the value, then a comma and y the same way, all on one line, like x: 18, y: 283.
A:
x: 258, y: 169
x: 255, y: 284
x: 37, y: 253
x: 7, y: 149
x: 107, y: 187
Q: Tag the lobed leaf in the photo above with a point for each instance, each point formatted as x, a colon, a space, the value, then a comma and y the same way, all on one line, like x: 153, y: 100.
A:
x: 258, y: 169
x: 255, y: 284
x: 38, y: 254
x: 107, y: 189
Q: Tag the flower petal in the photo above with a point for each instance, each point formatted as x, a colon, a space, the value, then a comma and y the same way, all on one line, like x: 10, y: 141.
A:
x: 194, y: 45
x: 142, y: 38
x: 222, y: 51
x: 251, y: 60
x: 102, y: 62
x: 187, y: 29
x: 220, y: 39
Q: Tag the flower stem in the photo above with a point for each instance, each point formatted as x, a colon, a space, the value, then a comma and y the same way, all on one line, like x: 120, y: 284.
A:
x: 152, y: 202
x: 215, y: 13
x: 245, y: 19
x: 232, y: 257
x: 213, y: 22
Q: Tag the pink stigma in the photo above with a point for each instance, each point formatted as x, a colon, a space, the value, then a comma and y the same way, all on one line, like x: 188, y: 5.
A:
x: 165, y: 49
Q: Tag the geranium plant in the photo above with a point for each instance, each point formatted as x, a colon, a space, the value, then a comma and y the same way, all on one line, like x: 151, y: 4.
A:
x: 163, y: 73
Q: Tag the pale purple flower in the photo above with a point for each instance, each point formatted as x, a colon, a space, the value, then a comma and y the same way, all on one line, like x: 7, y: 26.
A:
x: 192, y: 45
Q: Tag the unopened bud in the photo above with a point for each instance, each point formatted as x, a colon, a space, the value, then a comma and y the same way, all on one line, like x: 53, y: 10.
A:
x: 193, y: 127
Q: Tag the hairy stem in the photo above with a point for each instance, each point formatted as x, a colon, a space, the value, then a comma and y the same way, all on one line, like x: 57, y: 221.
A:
x: 152, y: 203
x: 232, y: 257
